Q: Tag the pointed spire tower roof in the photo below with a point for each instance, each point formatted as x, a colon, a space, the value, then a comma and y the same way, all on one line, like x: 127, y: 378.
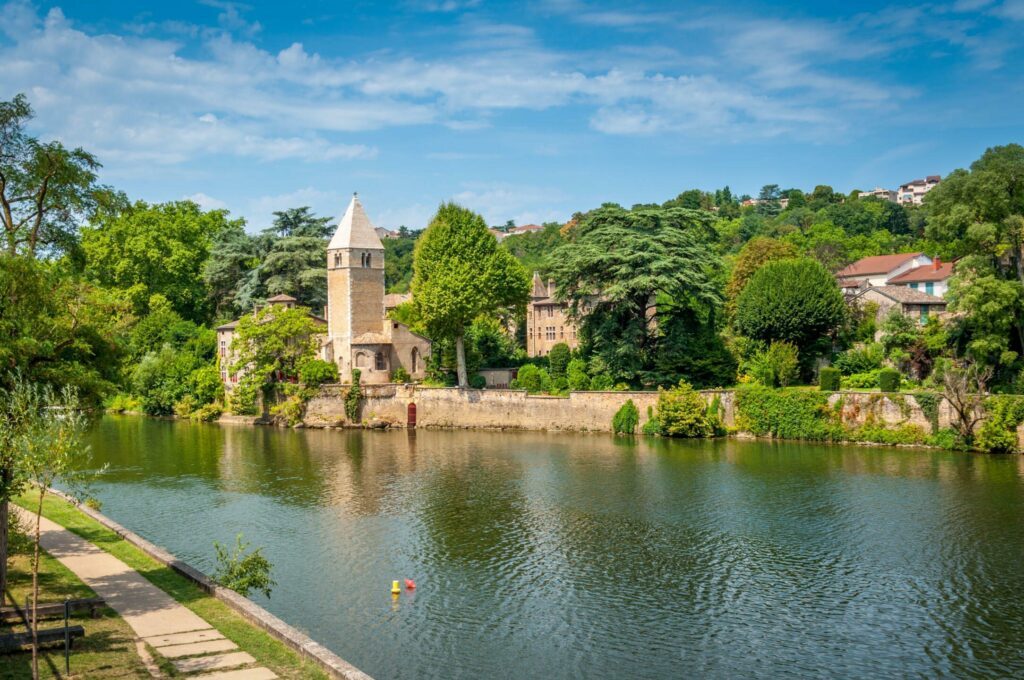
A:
x: 355, y: 230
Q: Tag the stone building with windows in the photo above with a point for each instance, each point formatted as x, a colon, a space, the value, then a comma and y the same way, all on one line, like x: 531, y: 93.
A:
x: 547, y: 320
x: 359, y: 333
x: 356, y: 331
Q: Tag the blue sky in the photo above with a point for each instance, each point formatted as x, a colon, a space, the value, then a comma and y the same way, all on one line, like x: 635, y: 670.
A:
x: 525, y: 111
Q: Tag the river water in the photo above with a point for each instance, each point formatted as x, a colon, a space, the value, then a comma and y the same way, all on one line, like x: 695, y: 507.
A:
x: 564, y: 556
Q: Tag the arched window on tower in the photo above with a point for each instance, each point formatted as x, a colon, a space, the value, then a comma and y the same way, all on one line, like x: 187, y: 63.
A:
x: 337, y: 260
x: 366, y: 263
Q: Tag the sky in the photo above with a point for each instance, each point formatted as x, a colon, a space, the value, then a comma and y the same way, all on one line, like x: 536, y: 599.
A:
x: 528, y: 111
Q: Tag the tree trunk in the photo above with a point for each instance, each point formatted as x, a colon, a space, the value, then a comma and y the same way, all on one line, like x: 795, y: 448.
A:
x: 460, y: 360
x: 4, y: 509
x: 35, y: 592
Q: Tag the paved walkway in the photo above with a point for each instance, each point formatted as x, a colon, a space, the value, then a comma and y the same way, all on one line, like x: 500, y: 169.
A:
x: 176, y: 632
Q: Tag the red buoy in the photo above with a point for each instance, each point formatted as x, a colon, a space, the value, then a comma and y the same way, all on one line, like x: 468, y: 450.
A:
x: 410, y: 584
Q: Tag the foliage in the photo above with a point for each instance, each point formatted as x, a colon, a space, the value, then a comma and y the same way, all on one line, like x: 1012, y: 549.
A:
x: 682, y: 412
x: 294, y: 263
x: 860, y: 359
x: 532, y: 378
x: 207, y: 413
x: 601, y: 382
x: 964, y: 386
x: 649, y: 260
x: 314, y: 372
x: 652, y: 427
x: 905, y: 434
x: 576, y: 375
x: 477, y: 381
x: 828, y: 379
x: 398, y: 258
x: 797, y: 301
x: 777, y: 366
x: 558, y: 360
x: 690, y: 347
x: 998, y: 433
x: 789, y: 414
x: 243, y: 571
x: 755, y: 253
x: 626, y: 418
x: 400, y: 375
x: 45, y: 189
x: 271, y: 344
x: 929, y: 402
x: 353, y: 397
x: 861, y: 381
x: 533, y: 248
x: 155, y: 249
x: 946, y: 438
x: 459, y: 274
x: 121, y: 403
x: 889, y: 380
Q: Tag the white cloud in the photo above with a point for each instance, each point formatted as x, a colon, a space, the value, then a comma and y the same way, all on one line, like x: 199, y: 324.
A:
x: 259, y: 212
x: 206, y: 202
x: 500, y: 201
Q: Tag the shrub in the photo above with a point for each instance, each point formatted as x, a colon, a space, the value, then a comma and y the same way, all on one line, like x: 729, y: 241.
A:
x: 120, y: 403
x: 626, y: 418
x: 602, y: 382
x: 353, y: 397
x: 860, y: 360
x: 205, y: 385
x: 928, y: 402
x: 653, y: 425
x: 290, y: 410
x: 790, y: 414
x: 558, y: 359
x: 880, y: 434
x: 19, y: 539
x: 207, y: 413
x: 315, y: 372
x: 829, y: 378
x: 559, y: 385
x: 533, y: 379
x: 945, y: 438
x: 998, y: 434
x: 184, y: 407
x: 400, y: 375
x: 477, y: 382
x: 860, y: 381
x: 777, y: 366
x: 243, y: 571
x: 576, y: 375
x: 889, y: 380
x: 682, y: 412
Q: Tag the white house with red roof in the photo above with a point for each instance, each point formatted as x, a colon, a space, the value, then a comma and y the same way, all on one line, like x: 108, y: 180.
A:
x: 932, y: 278
x: 878, y: 269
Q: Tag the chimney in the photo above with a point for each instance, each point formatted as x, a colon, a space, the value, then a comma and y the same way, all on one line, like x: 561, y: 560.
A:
x: 937, y: 263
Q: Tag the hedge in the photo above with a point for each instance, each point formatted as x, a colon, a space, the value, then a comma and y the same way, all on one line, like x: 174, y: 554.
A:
x: 889, y: 380
x: 828, y: 379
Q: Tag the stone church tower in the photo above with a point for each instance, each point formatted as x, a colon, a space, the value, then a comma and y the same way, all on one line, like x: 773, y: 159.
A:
x: 359, y: 334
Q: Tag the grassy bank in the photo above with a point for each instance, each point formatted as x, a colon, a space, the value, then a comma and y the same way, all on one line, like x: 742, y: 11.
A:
x: 267, y: 650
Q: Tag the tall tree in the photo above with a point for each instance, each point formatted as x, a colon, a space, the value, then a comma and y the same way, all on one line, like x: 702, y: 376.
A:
x: 460, y: 273
x: 755, y: 254
x: 45, y: 189
x: 296, y: 263
x: 769, y: 200
x: 234, y: 258
x: 156, y: 249
x: 623, y: 267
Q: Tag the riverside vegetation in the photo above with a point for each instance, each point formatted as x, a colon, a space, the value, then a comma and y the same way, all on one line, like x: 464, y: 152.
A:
x: 118, y: 298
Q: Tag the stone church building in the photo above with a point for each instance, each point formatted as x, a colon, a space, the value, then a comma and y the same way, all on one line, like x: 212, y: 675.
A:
x: 358, y: 333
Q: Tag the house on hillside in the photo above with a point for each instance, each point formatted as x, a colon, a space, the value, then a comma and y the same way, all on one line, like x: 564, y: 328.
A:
x: 877, y: 270
x: 547, y: 320
x: 913, y: 304
x: 932, y: 278
x: 912, y: 193
x: 879, y: 192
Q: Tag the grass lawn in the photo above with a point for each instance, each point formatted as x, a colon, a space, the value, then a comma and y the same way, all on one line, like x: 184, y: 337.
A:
x: 267, y: 650
x: 106, y: 651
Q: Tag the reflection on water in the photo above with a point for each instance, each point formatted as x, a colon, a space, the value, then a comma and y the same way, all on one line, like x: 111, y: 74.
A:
x: 562, y: 556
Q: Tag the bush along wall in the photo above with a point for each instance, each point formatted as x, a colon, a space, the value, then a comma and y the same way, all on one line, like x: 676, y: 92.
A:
x: 789, y: 414
x: 626, y: 418
x: 828, y: 379
x: 889, y: 380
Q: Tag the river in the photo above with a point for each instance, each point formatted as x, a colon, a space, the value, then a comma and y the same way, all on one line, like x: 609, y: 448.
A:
x: 587, y: 556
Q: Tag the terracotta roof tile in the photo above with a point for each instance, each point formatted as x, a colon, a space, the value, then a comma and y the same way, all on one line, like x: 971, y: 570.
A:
x: 926, y: 272
x: 876, y: 264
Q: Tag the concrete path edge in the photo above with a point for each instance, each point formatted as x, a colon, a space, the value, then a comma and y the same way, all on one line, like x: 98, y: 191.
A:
x: 331, y: 663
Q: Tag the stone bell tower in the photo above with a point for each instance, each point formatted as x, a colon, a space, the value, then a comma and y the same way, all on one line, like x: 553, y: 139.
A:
x: 355, y: 284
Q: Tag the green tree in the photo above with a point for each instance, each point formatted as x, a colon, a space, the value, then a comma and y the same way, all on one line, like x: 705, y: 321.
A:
x: 273, y: 342
x: 160, y: 248
x: 459, y: 274
x: 243, y: 571
x: 231, y: 270
x: 792, y: 300
x: 45, y: 189
x: 624, y: 268
x: 532, y: 248
x: 768, y: 201
x: 296, y: 262
x: 576, y: 375
x: 558, y: 360
x: 755, y: 253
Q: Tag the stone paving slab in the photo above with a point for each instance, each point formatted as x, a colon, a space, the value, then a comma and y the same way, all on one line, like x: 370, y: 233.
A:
x: 196, y: 664
x: 147, y: 609
x: 185, y: 638
x: 244, y: 674
x: 177, y: 651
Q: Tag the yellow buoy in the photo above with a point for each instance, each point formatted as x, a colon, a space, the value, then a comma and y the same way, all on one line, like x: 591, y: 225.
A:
x: 395, y: 590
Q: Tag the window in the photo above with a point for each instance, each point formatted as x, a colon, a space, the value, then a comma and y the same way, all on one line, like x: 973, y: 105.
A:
x: 414, y: 363
x: 550, y: 333
x: 379, y: 364
x: 924, y: 314
x: 929, y: 288
x: 913, y: 286
x: 234, y: 377
x: 551, y: 311
x: 561, y: 331
x: 337, y: 260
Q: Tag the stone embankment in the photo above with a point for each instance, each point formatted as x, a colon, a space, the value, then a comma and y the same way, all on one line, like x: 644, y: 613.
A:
x: 579, y: 412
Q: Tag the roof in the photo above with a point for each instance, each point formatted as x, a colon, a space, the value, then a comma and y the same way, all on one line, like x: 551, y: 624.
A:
x: 903, y: 294
x: 392, y: 300
x: 355, y: 230
x: 282, y: 298
x: 928, y: 272
x: 876, y: 264
x: 371, y: 339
